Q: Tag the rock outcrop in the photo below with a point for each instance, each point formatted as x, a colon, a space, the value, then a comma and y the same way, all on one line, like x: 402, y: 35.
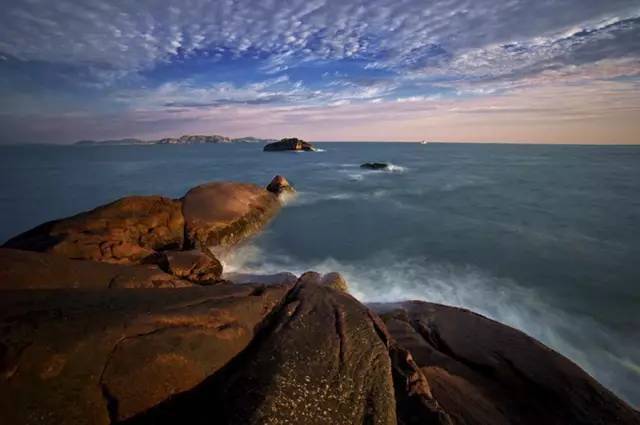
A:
x: 222, y: 214
x: 100, y: 357
x: 280, y: 185
x: 319, y: 360
x: 35, y: 270
x: 484, y: 372
x: 150, y: 230
x: 85, y: 338
x: 291, y: 144
x: 125, y: 231
x: 303, y: 353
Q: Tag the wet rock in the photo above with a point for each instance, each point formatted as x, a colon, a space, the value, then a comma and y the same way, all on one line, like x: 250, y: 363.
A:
x: 291, y: 144
x: 34, y: 270
x: 319, y: 360
x: 222, y: 214
x: 100, y: 357
x: 195, y: 266
x: 484, y: 372
x: 333, y: 280
x: 280, y: 185
x: 125, y: 231
x: 375, y: 166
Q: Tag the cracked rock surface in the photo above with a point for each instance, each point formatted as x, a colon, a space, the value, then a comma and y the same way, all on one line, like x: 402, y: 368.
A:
x: 125, y: 231
x: 483, y: 372
x: 175, y: 235
x: 97, y: 357
x: 319, y: 360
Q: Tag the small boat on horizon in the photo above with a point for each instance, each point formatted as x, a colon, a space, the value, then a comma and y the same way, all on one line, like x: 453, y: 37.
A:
x: 424, y: 142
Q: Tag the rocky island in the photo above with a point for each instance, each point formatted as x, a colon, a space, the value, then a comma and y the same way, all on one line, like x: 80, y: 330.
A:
x: 290, y: 144
x: 182, y: 140
x: 124, y: 314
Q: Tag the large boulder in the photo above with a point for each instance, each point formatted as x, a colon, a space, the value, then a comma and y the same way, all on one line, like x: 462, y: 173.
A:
x: 319, y: 360
x: 196, y: 266
x: 35, y: 270
x: 222, y: 214
x: 100, y: 357
x: 291, y: 144
x: 125, y: 231
x: 483, y: 372
x: 332, y: 279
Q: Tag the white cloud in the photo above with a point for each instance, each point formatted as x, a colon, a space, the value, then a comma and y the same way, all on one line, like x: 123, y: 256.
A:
x: 133, y: 35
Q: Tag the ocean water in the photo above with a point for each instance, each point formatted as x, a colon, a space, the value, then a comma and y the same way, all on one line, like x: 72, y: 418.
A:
x: 543, y: 238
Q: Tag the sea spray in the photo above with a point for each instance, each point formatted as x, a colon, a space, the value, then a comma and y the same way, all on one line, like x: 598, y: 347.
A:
x: 389, y: 279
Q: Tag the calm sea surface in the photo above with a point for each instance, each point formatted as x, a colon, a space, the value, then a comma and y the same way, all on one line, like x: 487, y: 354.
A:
x: 543, y: 238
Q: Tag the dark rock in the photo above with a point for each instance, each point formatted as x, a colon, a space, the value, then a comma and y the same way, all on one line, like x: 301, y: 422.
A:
x: 415, y: 403
x: 483, y: 372
x: 99, y: 357
x: 125, y: 231
x: 319, y: 360
x: 34, y: 270
x: 222, y: 214
x: 375, y: 166
x: 291, y: 144
x: 283, y: 277
x: 195, y: 266
x: 280, y: 185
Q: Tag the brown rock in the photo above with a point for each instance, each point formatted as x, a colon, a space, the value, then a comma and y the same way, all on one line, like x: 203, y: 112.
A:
x: 333, y: 280
x: 222, y: 214
x: 124, y: 231
x: 34, y: 270
x: 319, y: 360
x: 99, y: 357
x: 290, y: 144
x: 195, y: 266
x: 280, y: 185
x: 483, y: 372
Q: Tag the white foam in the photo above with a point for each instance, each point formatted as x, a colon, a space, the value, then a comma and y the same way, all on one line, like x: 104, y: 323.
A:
x: 389, y: 279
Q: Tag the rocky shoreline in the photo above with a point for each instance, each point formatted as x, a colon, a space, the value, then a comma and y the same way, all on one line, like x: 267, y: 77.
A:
x: 122, y: 314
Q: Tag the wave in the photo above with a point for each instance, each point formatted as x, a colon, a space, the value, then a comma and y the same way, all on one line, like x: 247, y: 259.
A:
x: 305, y: 198
x: 386, y: 278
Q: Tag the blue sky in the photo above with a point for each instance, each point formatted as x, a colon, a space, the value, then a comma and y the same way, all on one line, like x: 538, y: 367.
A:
x: 450, y: 70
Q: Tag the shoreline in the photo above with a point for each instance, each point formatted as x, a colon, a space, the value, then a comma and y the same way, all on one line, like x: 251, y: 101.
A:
x: 428, y: 354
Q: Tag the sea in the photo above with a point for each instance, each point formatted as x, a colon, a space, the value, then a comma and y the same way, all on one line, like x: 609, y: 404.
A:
x: 544, y: 238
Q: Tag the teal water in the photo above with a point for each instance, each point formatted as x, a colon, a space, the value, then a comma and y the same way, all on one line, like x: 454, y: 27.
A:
x: 543, y: 238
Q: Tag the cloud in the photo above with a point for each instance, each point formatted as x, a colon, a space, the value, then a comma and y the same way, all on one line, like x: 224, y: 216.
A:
x: 127, y: 35
x: 229, y: 58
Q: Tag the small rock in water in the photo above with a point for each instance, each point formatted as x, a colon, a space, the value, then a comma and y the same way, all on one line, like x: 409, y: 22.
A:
x: 279, y: 185
x: 375, y: 166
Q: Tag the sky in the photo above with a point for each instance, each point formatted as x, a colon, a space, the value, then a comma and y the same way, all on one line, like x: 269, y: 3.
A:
x: 543, y: 71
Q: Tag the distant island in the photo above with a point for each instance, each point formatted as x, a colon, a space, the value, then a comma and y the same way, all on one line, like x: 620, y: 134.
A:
x: 182, y: 140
